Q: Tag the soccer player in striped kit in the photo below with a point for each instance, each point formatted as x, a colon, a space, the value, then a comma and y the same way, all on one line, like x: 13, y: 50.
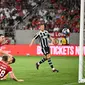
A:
x: 43, y: 37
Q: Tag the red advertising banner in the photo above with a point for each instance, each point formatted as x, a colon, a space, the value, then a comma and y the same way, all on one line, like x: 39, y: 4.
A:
x: 35, y: 50
x: 57, y: 34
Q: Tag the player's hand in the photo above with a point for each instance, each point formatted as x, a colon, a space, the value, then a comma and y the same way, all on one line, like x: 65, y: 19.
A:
x: 53, y: 41
x: 30, y: 45
x: 20, y: 80
x: 2, y: 79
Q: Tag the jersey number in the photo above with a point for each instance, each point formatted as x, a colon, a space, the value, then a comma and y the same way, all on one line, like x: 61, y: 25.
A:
x: 2, y: 72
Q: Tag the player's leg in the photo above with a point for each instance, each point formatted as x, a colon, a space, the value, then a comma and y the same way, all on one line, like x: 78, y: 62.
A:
x: 43, y: 59
x: 40, y: 62
x: 51, y: 64
x: 49, y: 60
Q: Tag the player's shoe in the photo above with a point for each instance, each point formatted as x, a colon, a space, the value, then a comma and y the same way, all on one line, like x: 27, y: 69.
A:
x: 37, y: 66
x: 55, y: 70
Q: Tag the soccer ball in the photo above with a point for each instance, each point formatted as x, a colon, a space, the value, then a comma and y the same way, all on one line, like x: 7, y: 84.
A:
x: 27, y: 54
x: 66, y: 31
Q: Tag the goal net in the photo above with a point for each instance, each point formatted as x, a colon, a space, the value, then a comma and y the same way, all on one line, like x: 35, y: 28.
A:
x: 81, y: 44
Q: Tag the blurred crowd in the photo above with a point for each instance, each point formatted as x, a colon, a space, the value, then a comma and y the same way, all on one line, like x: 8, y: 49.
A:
x: 12, y: 11
x: 56, y: 14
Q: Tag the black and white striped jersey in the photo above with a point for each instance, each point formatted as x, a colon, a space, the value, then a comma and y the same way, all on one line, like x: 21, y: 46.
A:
x: 43, y: 38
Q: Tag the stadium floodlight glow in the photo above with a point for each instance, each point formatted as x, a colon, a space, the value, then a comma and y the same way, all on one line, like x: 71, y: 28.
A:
x: 81, y: 70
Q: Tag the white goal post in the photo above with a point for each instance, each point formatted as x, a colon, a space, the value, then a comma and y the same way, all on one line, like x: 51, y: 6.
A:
x: 81, y: 78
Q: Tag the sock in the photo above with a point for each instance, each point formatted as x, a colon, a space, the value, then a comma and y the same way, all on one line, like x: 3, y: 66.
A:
x: 42, y: 61
x: 50, y: 63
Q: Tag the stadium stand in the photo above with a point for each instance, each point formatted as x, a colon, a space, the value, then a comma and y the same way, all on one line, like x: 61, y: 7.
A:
x: 56, y: 14
x: 27, y: 15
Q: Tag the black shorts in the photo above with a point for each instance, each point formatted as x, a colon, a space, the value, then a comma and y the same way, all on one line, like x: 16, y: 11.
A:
x: 46, y: 50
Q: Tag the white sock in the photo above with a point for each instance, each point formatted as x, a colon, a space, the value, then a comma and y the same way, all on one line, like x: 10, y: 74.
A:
x: 53, y: 68
x: 38, y: 63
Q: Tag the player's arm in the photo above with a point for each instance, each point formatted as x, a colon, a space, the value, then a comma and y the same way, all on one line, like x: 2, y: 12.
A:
x: 32, y: 41
x: 35, y: 37
x: 5, y: 53
x: 12, y: 76
x: 52, y: 40
x: 4, y: 78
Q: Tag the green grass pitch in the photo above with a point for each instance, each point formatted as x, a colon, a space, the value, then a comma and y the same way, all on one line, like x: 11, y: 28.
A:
x: 24, y: 68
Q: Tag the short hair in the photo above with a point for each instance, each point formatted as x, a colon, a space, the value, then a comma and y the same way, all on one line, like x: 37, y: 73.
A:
x: 1, y: 35
x: 5, y: 58
x: 13, y: 60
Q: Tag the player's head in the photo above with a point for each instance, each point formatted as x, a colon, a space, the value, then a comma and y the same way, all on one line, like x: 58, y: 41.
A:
x: 6, y: 59
x: 42, y: 26
x: 2, y: 38
x: 12, y: 60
